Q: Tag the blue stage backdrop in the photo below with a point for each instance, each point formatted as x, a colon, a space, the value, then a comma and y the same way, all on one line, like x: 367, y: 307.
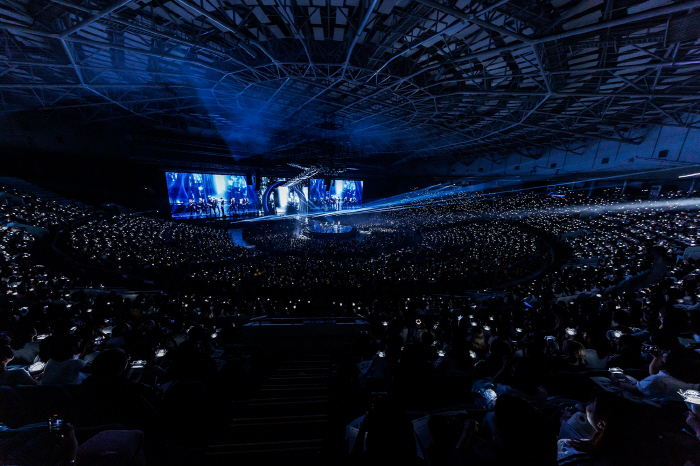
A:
x: 344, y: 194
x: 186, y: 187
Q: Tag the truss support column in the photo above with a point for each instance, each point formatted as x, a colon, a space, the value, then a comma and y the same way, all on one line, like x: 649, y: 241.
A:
x: 543, y: 72
x: 692, y: 188
x: 91, y: 19
x: 72, y: 62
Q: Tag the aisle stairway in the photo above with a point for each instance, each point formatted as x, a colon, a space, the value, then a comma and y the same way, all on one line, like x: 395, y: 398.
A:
x: 285, y: 420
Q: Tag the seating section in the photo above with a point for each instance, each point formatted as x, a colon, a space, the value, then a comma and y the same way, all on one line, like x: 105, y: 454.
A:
x: 512, y: 311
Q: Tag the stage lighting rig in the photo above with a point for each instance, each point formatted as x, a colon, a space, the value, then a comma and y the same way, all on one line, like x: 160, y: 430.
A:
x: 325, y: 171
x: 307, y: 173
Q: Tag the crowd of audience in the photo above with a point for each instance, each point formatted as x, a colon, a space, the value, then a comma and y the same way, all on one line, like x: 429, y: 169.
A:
x: 141, y: 242
x: 45, y: 213
x: 566, y: 348
x: 637, y: 345
x: 289, y: 237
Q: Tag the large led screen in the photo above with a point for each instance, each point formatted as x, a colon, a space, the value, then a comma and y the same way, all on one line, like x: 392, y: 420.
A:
x: 342, y: 195
x: 196, y: 194
x: 284, y: 200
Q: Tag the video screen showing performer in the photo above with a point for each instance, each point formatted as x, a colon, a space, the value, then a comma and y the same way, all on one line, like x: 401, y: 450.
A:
x: 342, y: 195
x: 286, y: 200
x: 196, y: 195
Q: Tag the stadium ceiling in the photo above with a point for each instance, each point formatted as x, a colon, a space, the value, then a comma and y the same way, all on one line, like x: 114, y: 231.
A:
x: 381, y: 81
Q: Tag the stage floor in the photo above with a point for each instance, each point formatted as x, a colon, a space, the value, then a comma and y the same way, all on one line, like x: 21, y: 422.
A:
x: 328, y: 229
x: 189, y: 216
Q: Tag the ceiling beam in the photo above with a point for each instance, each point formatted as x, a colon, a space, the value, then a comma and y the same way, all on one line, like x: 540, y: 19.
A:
x: 356, y: 36
x: 472, y: 18
x: 91, y: 19
x: 652, y: 13
x: 241, y: 39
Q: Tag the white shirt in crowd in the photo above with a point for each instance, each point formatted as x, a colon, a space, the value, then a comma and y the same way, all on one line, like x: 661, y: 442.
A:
x: 27, y: 353
x: 594, y: 362
x: 66, y: 372
x: 662, y: 385
x: 14, y: 377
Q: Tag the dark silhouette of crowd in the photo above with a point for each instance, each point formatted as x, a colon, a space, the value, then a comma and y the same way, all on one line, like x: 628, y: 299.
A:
x: 289, y: 237
x: 509, y: 329
x: 140, y: 242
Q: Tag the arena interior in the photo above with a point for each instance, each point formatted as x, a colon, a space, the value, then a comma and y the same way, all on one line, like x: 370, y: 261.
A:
x: 350, y: 232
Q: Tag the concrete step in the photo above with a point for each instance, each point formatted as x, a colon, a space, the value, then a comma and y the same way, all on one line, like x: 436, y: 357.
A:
x: 296, y: 384
x: 300, y: 371
x: 294, y: 377
x: 285, y: 421
x: 263, y: 447
x: 278, y: 419
x: 258, y: 431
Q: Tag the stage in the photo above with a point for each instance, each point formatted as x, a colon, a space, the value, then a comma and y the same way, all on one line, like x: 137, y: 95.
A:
x: 218, y: 216
x: 329, y: 231
x: 229, y: 221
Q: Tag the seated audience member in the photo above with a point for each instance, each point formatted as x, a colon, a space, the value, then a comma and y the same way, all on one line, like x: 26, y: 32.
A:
x: 623, y: 436
x: 453, y: 363
x: 695, y: 325
x: 116, y: 399
x: 61, y: 368
x: 108, y: 367
x: 574, y: 355
x: 597, y: 348
x: 385, y: 437
x: 522, y: 377
x: 383, y: 364
x: 516, y: 432
x: 674, y: 321
x: 477, y: 340
x: 12, y: 377
x: 34, y: 445
x: 669, y: 373
x: 25, y: 347
x: 629, y: 355
x: 693, y: 420
x: 498, y: 352
x: 118, y: 338
x: 193, y: 363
